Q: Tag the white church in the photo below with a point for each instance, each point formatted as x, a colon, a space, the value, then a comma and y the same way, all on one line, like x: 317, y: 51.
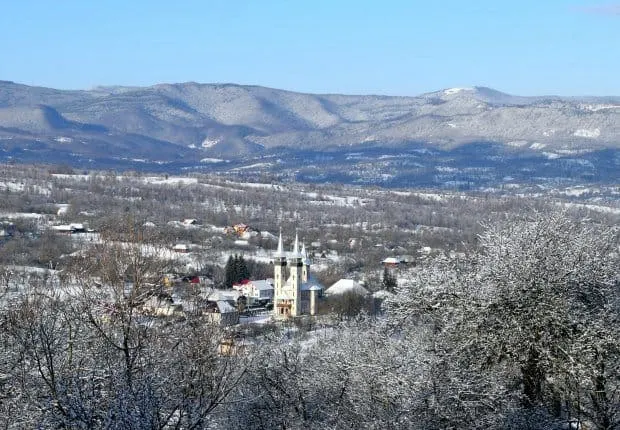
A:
x: 296, y: 291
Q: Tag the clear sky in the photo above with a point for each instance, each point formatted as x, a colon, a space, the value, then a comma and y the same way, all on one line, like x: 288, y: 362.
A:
x: 396, y: 47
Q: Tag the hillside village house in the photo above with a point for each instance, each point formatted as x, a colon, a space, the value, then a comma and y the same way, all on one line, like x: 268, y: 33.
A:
x: 391, y: 262
x: 256, y: 290
x: 296, y: 291
x: 69, y: 228
x: 221, y: 312
x: 181, y: 248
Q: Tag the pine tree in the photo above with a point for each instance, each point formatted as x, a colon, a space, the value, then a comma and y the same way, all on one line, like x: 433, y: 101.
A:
x: 229, y: 273
x: 242, y: 269
x: 389, y: 281
x: 236, y: 270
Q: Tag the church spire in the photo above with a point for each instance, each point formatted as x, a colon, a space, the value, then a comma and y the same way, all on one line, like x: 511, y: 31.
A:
x: 280, y: 251
x: 304, y: 254
x: 295, y: 254
x: 296, y: 246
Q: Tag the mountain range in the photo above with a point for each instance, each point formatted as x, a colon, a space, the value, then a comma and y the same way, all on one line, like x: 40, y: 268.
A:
x: 188, y: 122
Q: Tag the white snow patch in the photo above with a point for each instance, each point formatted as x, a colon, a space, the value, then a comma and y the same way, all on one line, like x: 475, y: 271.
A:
x: 63, y: 139
x: 596, y: 208
x: 22, y: 187
x: 537, y: 145
x: 62, y: 208
x: 157, y: 180
x: 589, y: 133
x: 597, y: 107
x: 252, y: 166
x: 517, y: 143
x: 551, y: 155
x: 209, y: 143
x: 451, y: 91
x: 212, y: 160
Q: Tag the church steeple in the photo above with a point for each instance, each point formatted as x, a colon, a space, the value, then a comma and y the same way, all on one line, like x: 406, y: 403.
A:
x: 306, y: 263
x: 280, y: 251
x: 295, y: 269
x: 279, y: 270
x: 296, y: 253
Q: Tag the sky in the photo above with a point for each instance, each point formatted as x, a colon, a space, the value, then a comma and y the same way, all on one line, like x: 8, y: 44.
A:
x: 391, y: 47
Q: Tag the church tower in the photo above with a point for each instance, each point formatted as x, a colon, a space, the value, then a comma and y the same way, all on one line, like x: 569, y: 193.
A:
x: 296, y: 268
x: 279, y: 273
x: 306, y: 261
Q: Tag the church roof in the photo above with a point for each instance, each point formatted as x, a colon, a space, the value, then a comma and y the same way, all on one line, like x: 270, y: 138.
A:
x: 344, y: 286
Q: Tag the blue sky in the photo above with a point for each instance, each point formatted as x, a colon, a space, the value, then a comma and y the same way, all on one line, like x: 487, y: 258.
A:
x: 394, y: 47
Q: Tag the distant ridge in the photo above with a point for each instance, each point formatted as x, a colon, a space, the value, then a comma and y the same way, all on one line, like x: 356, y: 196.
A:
x: 186, y: 120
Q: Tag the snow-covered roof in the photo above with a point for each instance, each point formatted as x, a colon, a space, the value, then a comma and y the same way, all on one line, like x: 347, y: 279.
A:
x: 391, y: 260
x: 262, y: 285
x: 218, y: 295
x: 344, y: 286
x: 224, y: 307
x: 311, y: 284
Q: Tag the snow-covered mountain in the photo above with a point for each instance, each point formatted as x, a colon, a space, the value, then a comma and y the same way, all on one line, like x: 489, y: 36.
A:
x: 171, y: 122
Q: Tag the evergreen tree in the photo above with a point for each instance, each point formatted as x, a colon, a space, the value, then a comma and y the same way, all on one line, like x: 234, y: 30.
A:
x: 242, y: 270
x: 236, y: 270
x: 229, y: 273
x: 389, y: 281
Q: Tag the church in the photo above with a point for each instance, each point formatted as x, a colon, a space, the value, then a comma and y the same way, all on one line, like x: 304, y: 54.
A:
x: 296, y: 291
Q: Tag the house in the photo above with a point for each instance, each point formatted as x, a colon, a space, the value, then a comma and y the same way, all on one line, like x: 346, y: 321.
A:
x: 296, y: 292
x: 260, y: 290
x: 240, y: 228
x: 391, y: 262
x: 181, y: 248
x: 221, y: 312
x: 69, y: 228
x: 161, y: 304
x: 345, y: 286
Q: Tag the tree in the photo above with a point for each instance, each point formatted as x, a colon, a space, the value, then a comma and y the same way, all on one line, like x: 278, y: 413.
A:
x: 236, y: 270
x: 529, y: 328
x: 79, y: 353
x: 388, y: 282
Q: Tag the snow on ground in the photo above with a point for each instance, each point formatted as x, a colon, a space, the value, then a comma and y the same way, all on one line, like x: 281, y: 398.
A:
x: 589, y: 133
x: 451, y: 91
x: 577, y: 191
x: 252, y: 166
x: 537, y: 145
x: 551, y: 155
x: 258, y: 185
x: 517, y: 143
x: 596, y: 208
x: 16, y: 215
x: 597, y: 107
x: 158, y: 180
x: 18, y: 187
x: 209, y: 143
x: 62, y: 208
x: 428, y: 196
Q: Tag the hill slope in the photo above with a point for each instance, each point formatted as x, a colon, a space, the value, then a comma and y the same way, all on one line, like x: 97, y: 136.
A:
x: 188, y: 122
